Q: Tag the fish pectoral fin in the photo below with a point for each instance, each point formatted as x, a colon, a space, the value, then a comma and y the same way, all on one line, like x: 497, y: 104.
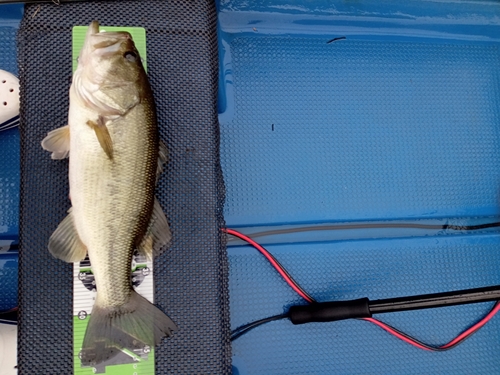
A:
x: 157, y: 235
x: 103, y: 136
x: 162, y: 159
x: 57, y: 142
x: 65, y: 244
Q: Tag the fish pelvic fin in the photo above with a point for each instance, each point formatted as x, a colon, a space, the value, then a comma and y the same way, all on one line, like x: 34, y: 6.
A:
x: 157, y: 235
x: 57, y: 142
x: 135, y: 325
x: 65, y: 244
x: 103, y: 136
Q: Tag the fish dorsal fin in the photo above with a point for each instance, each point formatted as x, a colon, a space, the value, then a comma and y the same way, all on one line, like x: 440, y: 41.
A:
x: 65, y: 244
x: 162, y: 159
x: 57, y: 142
x: 103, y: 136
x: 157, y: 235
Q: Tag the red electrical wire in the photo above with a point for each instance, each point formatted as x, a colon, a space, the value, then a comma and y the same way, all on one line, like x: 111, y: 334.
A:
x: 474, y: 328
x: 396, y: 333
x: 393, y: 331
x: 457, y: 340
x: 274, y: 263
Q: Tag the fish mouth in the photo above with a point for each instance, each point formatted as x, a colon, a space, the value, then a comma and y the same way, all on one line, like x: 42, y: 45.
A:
x: 94, y: 30
x: 104, y: 43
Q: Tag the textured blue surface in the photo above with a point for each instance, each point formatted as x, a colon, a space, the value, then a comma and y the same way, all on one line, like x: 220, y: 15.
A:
x: 399, y: 121
x: 362, y: 130
x: 9, y: 144
x: 9, y: 165
x: 8, y: 280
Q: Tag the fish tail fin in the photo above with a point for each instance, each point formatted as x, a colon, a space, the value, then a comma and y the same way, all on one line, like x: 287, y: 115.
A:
x: 136, y: 325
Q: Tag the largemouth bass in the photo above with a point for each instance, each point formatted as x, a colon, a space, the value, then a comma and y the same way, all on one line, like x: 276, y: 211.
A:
x: 115, y: 157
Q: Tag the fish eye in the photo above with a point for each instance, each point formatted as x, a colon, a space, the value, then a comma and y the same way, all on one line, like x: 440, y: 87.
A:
x: 130, y: 56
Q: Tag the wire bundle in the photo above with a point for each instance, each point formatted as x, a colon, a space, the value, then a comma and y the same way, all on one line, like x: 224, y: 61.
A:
x: 238, y: 332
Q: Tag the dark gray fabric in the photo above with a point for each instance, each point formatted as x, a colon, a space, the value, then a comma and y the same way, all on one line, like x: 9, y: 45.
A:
x: 191, y: 277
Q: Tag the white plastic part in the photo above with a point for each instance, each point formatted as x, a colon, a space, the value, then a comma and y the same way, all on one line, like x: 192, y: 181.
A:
x: 8, y: 349
x: 9, y: 96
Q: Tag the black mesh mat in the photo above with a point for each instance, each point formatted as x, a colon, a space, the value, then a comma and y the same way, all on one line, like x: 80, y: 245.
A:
x: 191, y: 277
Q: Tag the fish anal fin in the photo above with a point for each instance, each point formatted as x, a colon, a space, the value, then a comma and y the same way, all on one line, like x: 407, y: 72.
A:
x: 162, y: 159
x: 103, y: 136
x: 65, y: 244
x: 157, y: 235
x: 57, y: 142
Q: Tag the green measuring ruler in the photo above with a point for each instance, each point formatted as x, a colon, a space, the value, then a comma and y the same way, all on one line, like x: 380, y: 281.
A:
x: 127, y: 362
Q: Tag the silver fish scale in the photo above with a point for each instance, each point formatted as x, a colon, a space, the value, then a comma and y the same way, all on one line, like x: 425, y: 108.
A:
x: 128, y: 197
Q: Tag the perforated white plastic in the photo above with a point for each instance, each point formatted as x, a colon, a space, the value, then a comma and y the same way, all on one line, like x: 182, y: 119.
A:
x: 9, y: 97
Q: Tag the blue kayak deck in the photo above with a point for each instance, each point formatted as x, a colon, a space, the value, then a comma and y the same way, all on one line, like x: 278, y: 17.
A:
x: 361, y: 112
x: 9, y: 168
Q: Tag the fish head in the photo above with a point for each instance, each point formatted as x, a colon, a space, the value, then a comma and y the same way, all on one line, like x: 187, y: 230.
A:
x: 110, y: 77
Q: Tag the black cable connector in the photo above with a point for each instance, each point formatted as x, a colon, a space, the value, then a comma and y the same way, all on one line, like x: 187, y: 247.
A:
x: 330, y: 311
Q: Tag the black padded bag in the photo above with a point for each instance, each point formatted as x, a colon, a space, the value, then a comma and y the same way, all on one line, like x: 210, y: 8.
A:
x: 191, y: 277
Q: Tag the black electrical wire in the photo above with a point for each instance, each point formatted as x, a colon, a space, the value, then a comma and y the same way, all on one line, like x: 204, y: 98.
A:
x: 424, y: 301
x: 240, y: 331
x: 375, y: 226
x: 472, y: 227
